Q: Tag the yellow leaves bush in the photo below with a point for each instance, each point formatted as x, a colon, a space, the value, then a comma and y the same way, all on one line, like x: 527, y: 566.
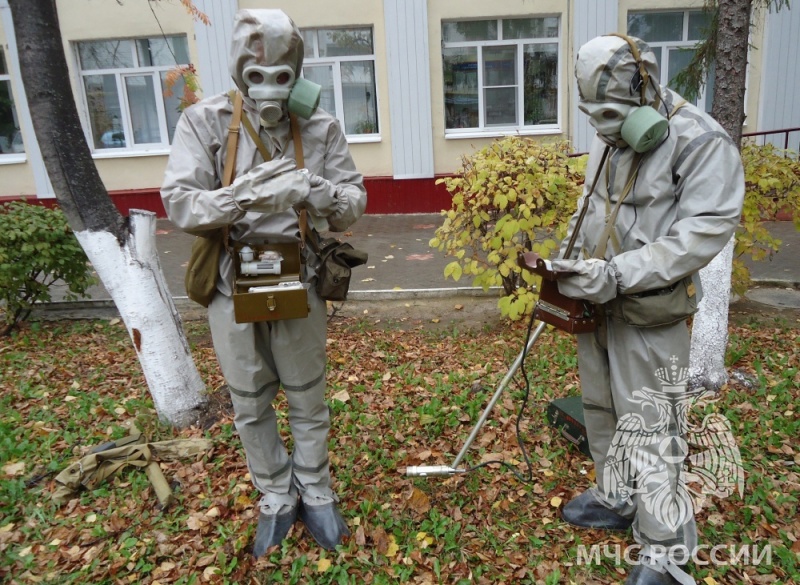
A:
x: 513, y: 196
x: 772, y: 185
x: 518, y: 194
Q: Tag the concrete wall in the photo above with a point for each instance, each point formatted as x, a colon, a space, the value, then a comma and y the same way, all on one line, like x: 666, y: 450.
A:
x: 407, y: 36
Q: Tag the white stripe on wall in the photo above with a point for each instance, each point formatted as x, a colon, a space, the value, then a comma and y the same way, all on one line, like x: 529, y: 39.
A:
x: 214, y: 45
x: 406, y: 23
x: 780, y: 107
x: 592, y: 18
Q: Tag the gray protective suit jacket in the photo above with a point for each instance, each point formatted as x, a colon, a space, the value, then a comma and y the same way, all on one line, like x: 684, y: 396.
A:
x: 683, y: 209
x: 196, y: 202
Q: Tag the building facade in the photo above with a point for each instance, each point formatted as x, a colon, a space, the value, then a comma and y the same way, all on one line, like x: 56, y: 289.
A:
x: 416, y: 84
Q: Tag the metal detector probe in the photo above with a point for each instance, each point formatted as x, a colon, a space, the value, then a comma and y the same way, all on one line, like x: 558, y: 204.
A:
x: 444, y: 470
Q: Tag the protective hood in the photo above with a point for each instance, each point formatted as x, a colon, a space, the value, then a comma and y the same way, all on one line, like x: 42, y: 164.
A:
x: 266, y: 38
x: 606, y: 71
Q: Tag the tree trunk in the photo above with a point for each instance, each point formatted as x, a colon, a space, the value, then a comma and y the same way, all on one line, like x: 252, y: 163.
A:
x: 123, y: 253
x: 710, y: 326
x: 730, y: 76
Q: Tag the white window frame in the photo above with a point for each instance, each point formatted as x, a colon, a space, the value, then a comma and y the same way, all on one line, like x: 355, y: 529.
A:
x: 530, y: 130
x: 120, y: 73
x: 335, y: 63
x: 11, y: 157
x: 665, y: 46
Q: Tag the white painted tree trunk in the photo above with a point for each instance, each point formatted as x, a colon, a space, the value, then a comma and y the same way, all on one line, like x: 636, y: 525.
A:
x: 132, y: 275
x: 710, y: 324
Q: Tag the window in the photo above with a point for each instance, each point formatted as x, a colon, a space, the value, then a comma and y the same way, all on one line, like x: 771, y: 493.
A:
x: 123, y: 81
x: 342, y: 61
x: 673, y: 36
x: 501, y: 74
x: 10, y: 135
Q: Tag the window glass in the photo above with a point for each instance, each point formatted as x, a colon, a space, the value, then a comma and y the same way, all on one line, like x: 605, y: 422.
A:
x: 345, y: 42
x: 501, y: 106
x: 461, y: 87
x: 698, y: 23
x: 162, y: 52
x: 105, y: 54
x: 530, y: 28
x: 172, y: 103
x: 358, y: 95
x: 678, y: 60
x: 342, y: 62
x: 469, y: 30
x: 540, y: 63
x: 308, y: 42
x: 499, y: 74
x: 513, y: 85
x: 322, y: 75
x: 675, y: 49
x: 499, y: 66
x: 655, y: 27
x: 105, y: 113
x: 10, y: 135
x: 143, y: 110
x: 125, y: 102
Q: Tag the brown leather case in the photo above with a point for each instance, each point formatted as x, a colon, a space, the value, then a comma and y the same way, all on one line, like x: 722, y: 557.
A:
x: 553, y: 308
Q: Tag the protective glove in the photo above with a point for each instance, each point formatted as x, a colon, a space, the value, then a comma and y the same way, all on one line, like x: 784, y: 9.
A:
x: 271, y: 187
x: 594, y: 280
x: 321, y: 200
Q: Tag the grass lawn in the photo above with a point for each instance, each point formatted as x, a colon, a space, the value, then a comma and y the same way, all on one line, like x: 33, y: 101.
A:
x: 399, y: 396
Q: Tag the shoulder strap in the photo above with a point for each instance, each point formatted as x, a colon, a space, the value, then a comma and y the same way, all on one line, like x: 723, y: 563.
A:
x: 256, y: 138
x: 584, y: 209
x: 230, y: 153
x: 305, y: 227
x: 233, y: 138
x: 298, y: 142
x: 602, y: 244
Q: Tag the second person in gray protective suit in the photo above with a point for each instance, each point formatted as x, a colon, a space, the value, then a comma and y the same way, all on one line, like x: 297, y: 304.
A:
x: 670, y: 193
x: 262, y: 203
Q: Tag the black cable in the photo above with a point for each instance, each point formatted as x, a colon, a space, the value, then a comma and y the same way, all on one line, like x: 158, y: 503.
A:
x: 517, y: 474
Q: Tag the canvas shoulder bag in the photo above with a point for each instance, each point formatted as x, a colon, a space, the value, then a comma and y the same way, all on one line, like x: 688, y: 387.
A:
x: 336, y: 258
x: 202, y: 270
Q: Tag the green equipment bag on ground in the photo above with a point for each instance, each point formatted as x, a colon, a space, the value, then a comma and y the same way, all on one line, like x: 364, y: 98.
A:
x: 566, y: 415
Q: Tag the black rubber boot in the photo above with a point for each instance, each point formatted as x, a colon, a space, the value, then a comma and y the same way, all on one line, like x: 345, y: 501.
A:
x: 272, y: 529
x: 644, y: 575
x: 324, y: 523
x: 586, y: 512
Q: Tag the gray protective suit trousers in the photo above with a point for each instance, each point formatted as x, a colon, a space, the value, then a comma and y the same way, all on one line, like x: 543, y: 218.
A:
x: 256, y: 360
x: 621, y: 380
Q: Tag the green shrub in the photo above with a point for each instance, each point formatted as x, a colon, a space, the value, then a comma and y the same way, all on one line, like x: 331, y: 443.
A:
x: 510, y: 197
x: 772, y: 185
x: 37, y: 248
x: 517, y: 195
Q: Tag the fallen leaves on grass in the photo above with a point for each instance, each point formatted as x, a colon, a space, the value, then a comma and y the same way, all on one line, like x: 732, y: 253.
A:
x: 398, y: 398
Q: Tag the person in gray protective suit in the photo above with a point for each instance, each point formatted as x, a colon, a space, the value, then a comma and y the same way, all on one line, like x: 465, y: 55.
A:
x: 668, y: 197
x: 263, y: 203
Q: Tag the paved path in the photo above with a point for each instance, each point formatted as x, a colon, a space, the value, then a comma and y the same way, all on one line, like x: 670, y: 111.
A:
x: 402, y: 264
